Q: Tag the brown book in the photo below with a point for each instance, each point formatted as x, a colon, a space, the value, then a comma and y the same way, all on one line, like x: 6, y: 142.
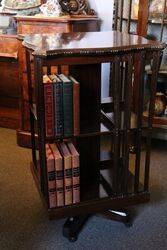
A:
x: 51, y: 177
x: 76, y: 105
x: 67, y: 162
x: 75, y: 172
x: 49, y: 106
x: 59, y: 175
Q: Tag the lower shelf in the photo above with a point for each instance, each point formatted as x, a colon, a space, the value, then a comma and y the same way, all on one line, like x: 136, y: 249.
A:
x: 92, y: 206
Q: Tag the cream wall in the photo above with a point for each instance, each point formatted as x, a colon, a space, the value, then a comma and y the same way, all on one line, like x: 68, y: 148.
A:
x: 104, y: 9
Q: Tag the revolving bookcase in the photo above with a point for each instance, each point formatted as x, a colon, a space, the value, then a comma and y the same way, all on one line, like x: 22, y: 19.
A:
x: 110, y: 179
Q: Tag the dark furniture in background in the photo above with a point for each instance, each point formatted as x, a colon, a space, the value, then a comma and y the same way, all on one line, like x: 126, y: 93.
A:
x: 10, y: 83
x: 110, y: 180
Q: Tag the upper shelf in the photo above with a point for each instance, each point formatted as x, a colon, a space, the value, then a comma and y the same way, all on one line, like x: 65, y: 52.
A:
x: 86, y: 43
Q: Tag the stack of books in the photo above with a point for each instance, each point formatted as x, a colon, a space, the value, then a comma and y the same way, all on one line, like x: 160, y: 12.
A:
x: 62, y: 98
x: 63, y: 172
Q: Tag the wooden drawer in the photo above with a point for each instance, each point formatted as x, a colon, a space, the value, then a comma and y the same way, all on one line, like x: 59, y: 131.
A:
x: 41, y: 27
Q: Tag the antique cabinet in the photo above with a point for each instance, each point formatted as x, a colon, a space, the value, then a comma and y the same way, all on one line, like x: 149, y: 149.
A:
x: 34, y: 25
x: 37, y: 25
x: 9, y: 84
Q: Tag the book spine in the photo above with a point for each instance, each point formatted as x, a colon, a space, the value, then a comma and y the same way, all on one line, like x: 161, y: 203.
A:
x: 76, y: 179
x: 51, y: 183
x: 59, y: 182
x: 68, y: 181
x: 58, y: 102
x: 49, y: 109
x: 68, y: 109
x: 76, y: 108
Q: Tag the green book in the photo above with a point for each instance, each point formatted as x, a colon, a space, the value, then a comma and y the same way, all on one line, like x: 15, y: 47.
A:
x: 67, y: 105
x: 58, y: 105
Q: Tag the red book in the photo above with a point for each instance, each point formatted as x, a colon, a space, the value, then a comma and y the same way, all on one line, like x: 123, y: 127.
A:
x: 59, y: 175
x: 51, y: 177
x: 49, y: 106
x: 76, y: 105
x: 67, y: 162
x: 75, y: 172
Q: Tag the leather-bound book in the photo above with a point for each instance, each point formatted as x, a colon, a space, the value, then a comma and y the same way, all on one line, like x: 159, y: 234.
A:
x: 49, y: 106
x: 59, y: 175
x: 75, y: 172
x: 58, y: 105
x: 67, y: 105
x: 51, y: 177
x: 67, y: 162
x: 76, y: 105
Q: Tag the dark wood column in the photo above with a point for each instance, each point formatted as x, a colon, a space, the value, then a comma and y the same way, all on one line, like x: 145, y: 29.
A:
x: 143, y: 17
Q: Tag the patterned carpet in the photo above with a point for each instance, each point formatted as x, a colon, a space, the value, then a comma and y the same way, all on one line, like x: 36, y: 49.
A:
x: 24, y: 223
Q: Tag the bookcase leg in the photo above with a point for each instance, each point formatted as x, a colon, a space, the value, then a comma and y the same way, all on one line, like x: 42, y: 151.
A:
x: 121, y: 215
x: 73, y: 226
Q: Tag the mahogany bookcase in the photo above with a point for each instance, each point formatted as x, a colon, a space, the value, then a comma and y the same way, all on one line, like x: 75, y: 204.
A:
x: 110, y: 180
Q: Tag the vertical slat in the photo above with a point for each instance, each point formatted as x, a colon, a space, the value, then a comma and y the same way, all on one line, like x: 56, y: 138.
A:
x: 116, y: 15
x: 155, y: 67
x: 121, y: 14
x: 38, y: 66
x: 143, y: 17
x: 127, y: 119
x: 59, y: 69
x: 141, y: 65
x: 129, y: 16
x: 111, y: 77
x: 163, y: 20
x: 30, y: 99
x: 48, y: 70
x: 117, y: 120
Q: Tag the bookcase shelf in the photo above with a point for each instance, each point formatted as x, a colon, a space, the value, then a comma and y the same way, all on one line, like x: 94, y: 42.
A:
x: 108, y: 181
x: 93, y: 202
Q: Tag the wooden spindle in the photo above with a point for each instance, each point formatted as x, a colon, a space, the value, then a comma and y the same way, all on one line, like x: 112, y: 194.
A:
x: 155, y: 68
x: 30, y: 98
x: 115, y: 26
x: 38, y: 62
x: 117, y: 120
x: 141, y: 68
x: 121, y: 15
x: 129, y: 16
x: 48, y: 70
x: 163, y: 20
x: 127, y: 120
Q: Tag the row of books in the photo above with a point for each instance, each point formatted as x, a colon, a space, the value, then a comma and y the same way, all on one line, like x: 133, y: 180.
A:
x: 61, y: 106
x: 63, y: 174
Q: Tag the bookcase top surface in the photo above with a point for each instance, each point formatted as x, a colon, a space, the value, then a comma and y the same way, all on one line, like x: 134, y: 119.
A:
x: 87, y: 43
